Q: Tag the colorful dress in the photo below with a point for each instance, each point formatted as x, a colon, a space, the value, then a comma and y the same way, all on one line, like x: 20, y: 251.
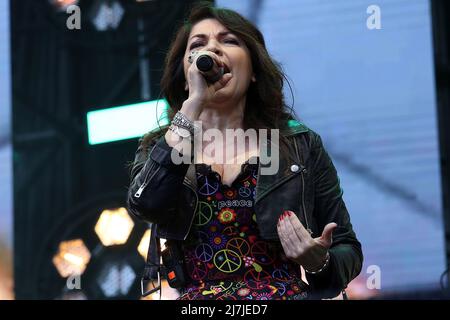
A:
x: 225, y: 257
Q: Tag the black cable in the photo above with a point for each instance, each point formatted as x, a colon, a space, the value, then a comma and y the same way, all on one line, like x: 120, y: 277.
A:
x: 444, y: 288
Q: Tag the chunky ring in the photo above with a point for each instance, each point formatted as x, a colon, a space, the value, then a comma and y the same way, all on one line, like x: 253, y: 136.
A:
x: 192, y: 56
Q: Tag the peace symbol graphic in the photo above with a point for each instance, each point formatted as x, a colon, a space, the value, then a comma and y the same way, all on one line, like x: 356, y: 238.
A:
x: 197, y: 269
x: 256, y: 280
x: 280, y: 274
x: 245, y: 192
x: 239, y: 245
x: 204, y: 252
x: 260, y: 251
x: 281, y: 287
x: 204, y: 213
x: 230, y: 231
x: 207, y: 188
x: 227, y: 261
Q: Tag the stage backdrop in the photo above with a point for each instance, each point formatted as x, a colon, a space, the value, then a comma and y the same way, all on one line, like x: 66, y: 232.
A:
x: 371, y: 96
x: 5, y: 157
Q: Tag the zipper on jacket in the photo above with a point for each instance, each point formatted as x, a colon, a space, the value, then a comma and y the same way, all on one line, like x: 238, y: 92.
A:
x: 187, y: 183
x: 303, y: 201
x: 146, y: 180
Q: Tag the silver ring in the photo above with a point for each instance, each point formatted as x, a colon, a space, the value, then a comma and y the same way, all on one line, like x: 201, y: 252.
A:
x: 192, y: 56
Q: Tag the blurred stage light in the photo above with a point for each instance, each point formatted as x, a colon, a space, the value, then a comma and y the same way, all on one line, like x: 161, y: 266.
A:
x: 162, y: 243
x: 62, y: 5
x: 107, y: 14
x: 105, y: 251
x: 143, y: 245
x: 126, y: 122
x: 114, y: 227
x: 71, y: 258
x: 145, y: 242
x: 115, y: 280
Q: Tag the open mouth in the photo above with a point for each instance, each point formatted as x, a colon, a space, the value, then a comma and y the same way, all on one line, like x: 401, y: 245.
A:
x: 226, y: 69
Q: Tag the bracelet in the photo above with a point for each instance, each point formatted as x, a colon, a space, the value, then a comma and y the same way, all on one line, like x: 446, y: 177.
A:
x: 327, y: 262
x: 178, y: 130
x: 180, y: 120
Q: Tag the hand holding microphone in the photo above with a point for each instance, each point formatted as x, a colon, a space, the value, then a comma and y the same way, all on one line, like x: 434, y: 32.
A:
x: 207, y: 66
x: 205, y: 76
x: 203, y: 85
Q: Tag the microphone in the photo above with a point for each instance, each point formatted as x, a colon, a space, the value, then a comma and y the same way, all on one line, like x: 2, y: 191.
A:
x: 209, y: 68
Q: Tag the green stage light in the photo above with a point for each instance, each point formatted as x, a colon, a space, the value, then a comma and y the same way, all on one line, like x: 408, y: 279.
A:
x: 293, y: 123
x: 126, y: 122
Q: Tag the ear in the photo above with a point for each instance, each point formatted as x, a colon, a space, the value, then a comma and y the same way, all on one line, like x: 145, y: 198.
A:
x: 186, y: 87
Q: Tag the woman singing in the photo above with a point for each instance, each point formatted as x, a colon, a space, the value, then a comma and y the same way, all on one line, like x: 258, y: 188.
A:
x: 241, y: 233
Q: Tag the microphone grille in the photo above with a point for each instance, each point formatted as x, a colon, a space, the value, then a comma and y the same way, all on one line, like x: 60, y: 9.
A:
x: 205, y: 63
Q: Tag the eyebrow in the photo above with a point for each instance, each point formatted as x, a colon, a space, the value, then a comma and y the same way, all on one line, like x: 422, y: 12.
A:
x: 221, y: 34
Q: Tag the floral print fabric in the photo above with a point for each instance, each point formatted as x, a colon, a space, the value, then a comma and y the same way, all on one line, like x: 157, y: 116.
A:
x: 225, y: 258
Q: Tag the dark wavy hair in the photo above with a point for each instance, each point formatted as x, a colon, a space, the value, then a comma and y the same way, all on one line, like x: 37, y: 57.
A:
x: 265, y: 106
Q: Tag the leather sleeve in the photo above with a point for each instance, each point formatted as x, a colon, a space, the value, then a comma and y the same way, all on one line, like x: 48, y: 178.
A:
x: 155, y: 183
x: 346, y: 256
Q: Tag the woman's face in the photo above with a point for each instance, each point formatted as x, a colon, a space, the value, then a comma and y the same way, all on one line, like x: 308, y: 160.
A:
x: 211, y: 35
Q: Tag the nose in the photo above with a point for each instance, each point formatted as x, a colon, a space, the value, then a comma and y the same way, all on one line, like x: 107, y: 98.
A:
x: 213, y: 47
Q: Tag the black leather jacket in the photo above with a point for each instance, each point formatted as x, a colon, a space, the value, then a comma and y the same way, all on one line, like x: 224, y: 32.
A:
x: 164, y: 194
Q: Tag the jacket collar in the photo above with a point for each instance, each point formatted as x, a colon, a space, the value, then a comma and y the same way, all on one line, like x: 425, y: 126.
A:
x: 296, y: 127
x: 287, y: 168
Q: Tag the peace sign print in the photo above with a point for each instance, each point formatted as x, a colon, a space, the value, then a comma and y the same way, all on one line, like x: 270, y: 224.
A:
x: 256, y: 280
x: 239, y: 245
x: 245, y: 192
x: 197, y: 270
x: 207, y: 188
x: 280, y: 274
x: 260, y: 251
x: 204, y: 252
x: 227, y: 261
x: 230, y: 231
x: 204, y: 213
x: 281, y: 287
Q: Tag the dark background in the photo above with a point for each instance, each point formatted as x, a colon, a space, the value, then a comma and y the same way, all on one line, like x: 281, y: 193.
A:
x: 58, y: 75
